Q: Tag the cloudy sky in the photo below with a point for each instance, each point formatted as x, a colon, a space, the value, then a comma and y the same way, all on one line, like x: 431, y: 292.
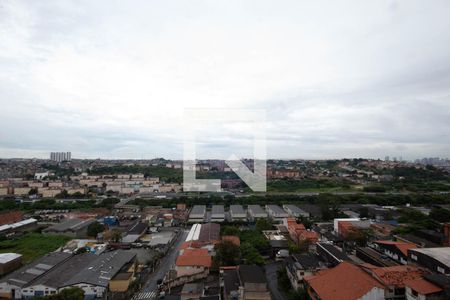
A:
x: 112, y: 79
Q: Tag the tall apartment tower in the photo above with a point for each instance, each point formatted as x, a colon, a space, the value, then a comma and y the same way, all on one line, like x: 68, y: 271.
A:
x: 60, y: 156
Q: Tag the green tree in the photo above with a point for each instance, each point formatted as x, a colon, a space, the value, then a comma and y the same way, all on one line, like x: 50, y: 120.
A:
x: 33, y: 191
x: 227, y: 254
x: 263, y: 224
x: 251, y: 255
x: 94, y: 229
x: 283, y: 280
x: 440, y: 214
x: 364, y: 212
x: 230, y: 230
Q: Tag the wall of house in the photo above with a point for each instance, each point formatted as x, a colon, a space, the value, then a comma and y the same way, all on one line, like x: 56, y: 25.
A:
x: 188, y: 270
x: 38, y: 291
x: 119, y: 285
x: 374, y: 294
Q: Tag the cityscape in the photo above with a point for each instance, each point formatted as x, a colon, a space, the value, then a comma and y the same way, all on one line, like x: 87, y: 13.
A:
x: 224, y: 150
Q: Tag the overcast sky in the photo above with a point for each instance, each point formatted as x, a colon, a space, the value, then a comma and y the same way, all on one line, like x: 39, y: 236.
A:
x: 111, y: 79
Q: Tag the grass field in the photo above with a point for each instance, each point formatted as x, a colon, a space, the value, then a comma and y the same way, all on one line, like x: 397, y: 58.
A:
x: 33, y: 245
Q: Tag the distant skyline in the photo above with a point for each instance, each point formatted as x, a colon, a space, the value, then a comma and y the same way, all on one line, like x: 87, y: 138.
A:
x: 107, y: 79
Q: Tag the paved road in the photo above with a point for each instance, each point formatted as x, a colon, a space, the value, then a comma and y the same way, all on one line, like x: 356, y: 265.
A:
x: 272, y: 279
x: 166, y: 263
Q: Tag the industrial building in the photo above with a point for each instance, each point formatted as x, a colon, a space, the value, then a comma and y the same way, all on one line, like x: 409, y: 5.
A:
x: 294, y: 211
x: 237, y: 213
x: 72, y: 227
x: 256, y: 212
x: 9, y: 262
x: 276, y: 213
x: 18, y: 226
x: 217, y: 213
x: 58, y: 270
x: 205, y: 233
x: 198, y: 213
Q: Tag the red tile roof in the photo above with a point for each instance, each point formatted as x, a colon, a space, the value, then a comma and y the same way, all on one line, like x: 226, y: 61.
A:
x: 193, y: 251
x: 423, y: 286
x: 194, y: 257
x: 198, y: 261
x: 397, y: 275
x: 343, y: 282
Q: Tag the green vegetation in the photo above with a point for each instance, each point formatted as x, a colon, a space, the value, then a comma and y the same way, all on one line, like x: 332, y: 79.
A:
x: 440, y: 214
x: 227, y: 254
x: 413, y: 220
x: 94, y: 229
x: 284, y: 285
x: 33, y: 245
x: 263, y: 224
x: 165, y: 174
x: 307, y: 185
x: 253, y: 244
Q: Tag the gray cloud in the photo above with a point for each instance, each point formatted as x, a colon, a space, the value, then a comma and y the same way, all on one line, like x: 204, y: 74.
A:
x: 111, y: 79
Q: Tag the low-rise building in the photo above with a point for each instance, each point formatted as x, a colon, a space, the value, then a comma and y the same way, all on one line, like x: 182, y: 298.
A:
x: 256, y: 212
x: 299, y: 266
x: 295, y: 211
x: 434, y: 259
x: 193, y: 261
x: 9, y: 262
x: 276, y: 213
x: 72, y: 227
x: 198, y: 213
x: 246, y: 282
x: 345, y: 281
x: 396, y: 250
x: 217, y: 213
x: 95, y: 279
x: 237, y: 213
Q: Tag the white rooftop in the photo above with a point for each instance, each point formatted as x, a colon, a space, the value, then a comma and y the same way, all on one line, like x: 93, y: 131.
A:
x: 441, y: 254
x: 7, y: 257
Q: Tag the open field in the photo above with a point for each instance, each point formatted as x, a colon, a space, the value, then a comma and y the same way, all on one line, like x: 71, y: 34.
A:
x: 33, y: 245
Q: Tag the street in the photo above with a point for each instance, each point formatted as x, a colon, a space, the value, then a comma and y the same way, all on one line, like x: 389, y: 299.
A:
x: 272, y: 279
x: 166, y: 262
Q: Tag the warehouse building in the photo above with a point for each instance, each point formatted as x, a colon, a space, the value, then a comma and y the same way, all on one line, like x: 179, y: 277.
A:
x: 72, y: 227
x: 237, y: 213
x: 294, y: 211
x: 23, y: 225
x: 217, y: 213
x: 256, y: 212
x: 276, y: 213
x: 198, y: 213
x: 11, y: 285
